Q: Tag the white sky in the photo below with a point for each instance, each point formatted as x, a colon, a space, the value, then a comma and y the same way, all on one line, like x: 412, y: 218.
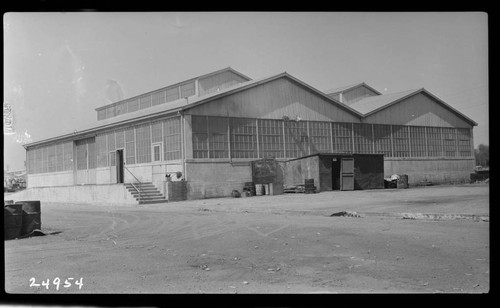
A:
x: 57, y: 64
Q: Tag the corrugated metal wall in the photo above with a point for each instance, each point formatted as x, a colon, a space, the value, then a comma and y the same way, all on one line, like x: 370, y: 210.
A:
x: 356, y: 94
x: 418, y: 110
x: 273, y: 100
x: 217, y: 82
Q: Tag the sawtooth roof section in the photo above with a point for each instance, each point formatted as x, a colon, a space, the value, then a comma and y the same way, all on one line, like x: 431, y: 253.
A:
x: 373, y: 104
x: 183, y: 104
x: 350, y: 87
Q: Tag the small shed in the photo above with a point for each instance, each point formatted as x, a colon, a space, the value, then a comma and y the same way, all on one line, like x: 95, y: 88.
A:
x: 332, y: 171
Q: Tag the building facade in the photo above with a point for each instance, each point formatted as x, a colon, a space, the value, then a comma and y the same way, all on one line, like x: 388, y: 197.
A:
x: 211, y: 127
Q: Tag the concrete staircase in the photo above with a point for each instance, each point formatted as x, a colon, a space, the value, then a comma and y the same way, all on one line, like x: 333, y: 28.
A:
x: 149, y: 194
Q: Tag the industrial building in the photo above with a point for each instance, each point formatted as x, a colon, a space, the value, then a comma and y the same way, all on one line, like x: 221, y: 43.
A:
x: 210, y: 128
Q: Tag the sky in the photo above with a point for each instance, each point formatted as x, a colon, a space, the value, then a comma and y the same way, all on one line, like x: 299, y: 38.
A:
x: 57, y: 66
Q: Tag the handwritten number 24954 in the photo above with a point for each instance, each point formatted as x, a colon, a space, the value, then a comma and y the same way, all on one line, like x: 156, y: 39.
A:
x: 57, y: 283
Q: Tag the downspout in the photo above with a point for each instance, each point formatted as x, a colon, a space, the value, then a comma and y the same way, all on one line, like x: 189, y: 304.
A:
x: 183, y: 131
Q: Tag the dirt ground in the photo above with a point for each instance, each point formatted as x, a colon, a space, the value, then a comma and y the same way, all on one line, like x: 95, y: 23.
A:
x: 264, y: 244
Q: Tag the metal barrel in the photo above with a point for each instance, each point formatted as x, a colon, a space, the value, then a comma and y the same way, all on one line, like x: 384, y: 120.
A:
x: 31, y: 218
x: 259, y: 189
x: 12, y: 221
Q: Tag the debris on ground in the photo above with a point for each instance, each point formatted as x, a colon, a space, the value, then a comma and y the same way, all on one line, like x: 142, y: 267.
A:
x: 300, y: 188
x: 35, y: 232
x: 345, y: 214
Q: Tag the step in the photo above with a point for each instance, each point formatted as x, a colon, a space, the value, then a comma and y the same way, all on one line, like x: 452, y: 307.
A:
x: 148, y: 197
x: 153, y: 201
x: 148, y: 193
x: 142, y: 190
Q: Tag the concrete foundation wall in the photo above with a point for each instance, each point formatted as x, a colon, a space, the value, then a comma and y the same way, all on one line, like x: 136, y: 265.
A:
x: 435, y: 171
x: 112, y: 194
x: 64, y: 178
x: 216, y: 179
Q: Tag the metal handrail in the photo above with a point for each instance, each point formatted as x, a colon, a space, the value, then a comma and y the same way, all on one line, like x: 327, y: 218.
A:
x: 138, y: 190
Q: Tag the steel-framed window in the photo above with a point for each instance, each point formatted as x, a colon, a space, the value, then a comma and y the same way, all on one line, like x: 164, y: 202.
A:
x: 363, y: 142
x: 172, y: 138
x: 145, y: 101
x: 130, y: 146
x: 143, y: 143
x: 342, y: 133
x: 187, y: 89
x: 382, y: 135
x: 320, y: 139
x: 101, y: 114
x: 68, y: 156
x: 200, y: 136
x: 101, y: 150
x: 417, y: 141
x: 434, y: 144
x: 133, y: 105
x: 401, y: 141
x: 121, y: 108
x: 270, y: 138
x: 449, y: 142
x: 218, y: 143
x: 296, y: 139
x: 243, y: 138
x: 110, y: 138
x: 157, y: 152
x: 81, y: 154
x: 172, y: 94
x: 158, y: 98
x: 464, y: 142
x: 59, y: 157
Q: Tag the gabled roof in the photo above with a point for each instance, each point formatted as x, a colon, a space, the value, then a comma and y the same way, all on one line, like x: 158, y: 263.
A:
x: 183, y: 104
x: 373, y: 104
x: 350, y: 87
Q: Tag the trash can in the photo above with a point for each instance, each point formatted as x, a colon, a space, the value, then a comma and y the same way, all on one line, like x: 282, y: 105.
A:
x: 402, y: 181
x: 12, y: 221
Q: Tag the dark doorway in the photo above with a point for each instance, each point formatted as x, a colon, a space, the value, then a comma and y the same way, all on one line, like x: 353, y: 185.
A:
x: 335, y: 173
x: 119, y: 166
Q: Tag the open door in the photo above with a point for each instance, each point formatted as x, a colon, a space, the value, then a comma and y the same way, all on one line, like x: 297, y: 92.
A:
x: 119, y: 166
x: 347, y: 173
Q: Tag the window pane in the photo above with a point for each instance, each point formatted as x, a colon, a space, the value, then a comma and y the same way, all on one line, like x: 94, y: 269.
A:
x: 130, y: 146
x: 243, y: 138
x: 172, y: 94
x: 172, y: 139
x: 434, y: 141
x: 401, y: 141
x: 145, y: 101
x: 143, y: 143
x: 363, y: 142
x: 296, y: 139
x: 342, y: 133
x: 382, y: 134
x: 320, y: 137
x: 449, y: 142
x: 271, y: 138
x: 218, y: 137
x: 417, y: 141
